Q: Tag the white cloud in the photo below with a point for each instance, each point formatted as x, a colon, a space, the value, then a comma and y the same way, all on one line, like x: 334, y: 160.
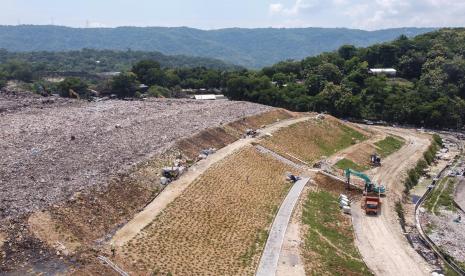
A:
x: 295, y: 9
x: 372, y: 14
x: 276, y: 8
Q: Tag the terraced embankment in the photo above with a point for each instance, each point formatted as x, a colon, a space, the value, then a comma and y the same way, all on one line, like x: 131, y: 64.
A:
x: 91, y: 166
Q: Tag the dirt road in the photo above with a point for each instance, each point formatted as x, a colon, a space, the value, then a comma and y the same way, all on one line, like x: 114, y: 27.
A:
x: 379, y: 239
x: 146, y: 216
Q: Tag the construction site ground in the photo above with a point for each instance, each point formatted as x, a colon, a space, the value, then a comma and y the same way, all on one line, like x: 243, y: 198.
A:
x: 81, y: 175
x: 379, y: 238
x: 89, y: 167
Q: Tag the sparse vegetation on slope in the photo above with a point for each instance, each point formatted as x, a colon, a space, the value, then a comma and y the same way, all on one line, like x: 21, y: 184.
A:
x: 389, y: 145
x: 349, y: 164
x: 313, y: 139
x: 329, y: 239
x: 219, y: 224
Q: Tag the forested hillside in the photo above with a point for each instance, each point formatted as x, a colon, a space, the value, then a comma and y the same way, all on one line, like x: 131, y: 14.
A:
x: 429, y: 89
x: 253, y: 48
x: 95, y: 61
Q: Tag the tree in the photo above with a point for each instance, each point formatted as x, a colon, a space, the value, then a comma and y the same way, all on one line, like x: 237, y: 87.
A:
x: 148, y: 72
x: 280, y: 79
x: 330, y: 72
x: 19, y: 70
x: 159, y: 92
x: 125, y: 85
x: 74, y: 84
x: 3, y: 79
x: 347, y: 51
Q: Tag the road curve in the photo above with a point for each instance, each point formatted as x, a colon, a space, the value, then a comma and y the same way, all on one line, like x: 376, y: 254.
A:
x: 379, y: 239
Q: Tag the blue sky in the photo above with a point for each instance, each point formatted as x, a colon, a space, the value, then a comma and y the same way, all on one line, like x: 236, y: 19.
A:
x: 214, y: 14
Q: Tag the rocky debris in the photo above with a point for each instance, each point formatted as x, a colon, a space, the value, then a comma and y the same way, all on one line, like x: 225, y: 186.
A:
x: 41, y: 164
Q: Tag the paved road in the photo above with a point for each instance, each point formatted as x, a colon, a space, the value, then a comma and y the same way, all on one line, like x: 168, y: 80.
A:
x: 269, y: 260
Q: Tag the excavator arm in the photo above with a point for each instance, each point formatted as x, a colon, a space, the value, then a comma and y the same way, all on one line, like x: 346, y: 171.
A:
x: 369, y: 185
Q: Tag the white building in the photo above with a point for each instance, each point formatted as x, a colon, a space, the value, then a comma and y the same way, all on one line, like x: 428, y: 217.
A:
x: 209, y: 97
x: 383, y: 71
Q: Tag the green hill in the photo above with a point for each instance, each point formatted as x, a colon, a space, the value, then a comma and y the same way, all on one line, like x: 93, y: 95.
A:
x: 95, y: 61
x: 429, y: 88
x: 251, y: 48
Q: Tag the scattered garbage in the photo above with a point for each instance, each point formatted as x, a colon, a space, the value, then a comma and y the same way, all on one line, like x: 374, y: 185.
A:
x: 206, y: 152
x: 250, y: 133
x: 320, y: 117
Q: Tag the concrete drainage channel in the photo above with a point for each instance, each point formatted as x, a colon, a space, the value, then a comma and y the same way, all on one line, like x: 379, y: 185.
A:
x: 113, y: 266
x: 425, y: 237
x: 270, y: 257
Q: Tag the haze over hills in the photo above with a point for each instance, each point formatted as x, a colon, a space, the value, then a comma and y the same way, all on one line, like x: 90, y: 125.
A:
x: 253, y: 48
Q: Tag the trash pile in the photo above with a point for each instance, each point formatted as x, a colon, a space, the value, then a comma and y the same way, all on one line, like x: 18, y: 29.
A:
x: 50, y: 153
x: 206, y: 152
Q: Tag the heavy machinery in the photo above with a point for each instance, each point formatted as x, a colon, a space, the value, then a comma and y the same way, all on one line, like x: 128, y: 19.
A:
x: 375, y: 160
x: 371, y: 194
x: 369, y: 185
x: 371, y: 203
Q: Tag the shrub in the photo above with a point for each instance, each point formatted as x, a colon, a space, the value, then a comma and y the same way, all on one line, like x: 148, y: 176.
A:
x: 125, y: 85
x: 75, y: 84
x: 159, y: 92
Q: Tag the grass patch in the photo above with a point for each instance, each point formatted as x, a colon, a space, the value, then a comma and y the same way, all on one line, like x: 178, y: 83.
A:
x: 329, y: 241
x: 349, y: 164
x: 401, y: 214
x: 348, y: 137
x: 389, y: 145
x: 442, y: 196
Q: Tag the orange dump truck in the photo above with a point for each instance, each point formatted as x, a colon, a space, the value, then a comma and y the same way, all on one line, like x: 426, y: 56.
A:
x: 371, y: 203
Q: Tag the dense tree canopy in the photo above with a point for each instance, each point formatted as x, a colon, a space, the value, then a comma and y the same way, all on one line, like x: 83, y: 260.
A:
x: 429, y: 88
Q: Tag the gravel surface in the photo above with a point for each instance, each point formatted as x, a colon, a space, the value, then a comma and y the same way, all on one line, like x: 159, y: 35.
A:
x: 47, y: 154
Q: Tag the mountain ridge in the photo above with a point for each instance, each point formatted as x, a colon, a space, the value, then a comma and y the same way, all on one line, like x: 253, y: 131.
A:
x: 252, y: 48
